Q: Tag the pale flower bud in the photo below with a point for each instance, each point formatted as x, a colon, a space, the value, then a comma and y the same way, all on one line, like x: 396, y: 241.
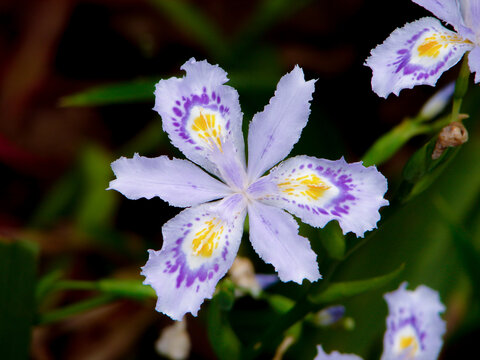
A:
x: 242, y: 274
x: 174, y: 341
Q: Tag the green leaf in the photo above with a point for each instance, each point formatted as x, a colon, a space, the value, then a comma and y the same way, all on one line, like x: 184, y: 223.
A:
x: 223, y: 339
x: 57, y: 203
x: 195, y: 24
x: 333, y: 240
x: 342, y: 290
x: 387, y: 145
x: 122, y: 92
x: 97, y: 205
x: 421, y: 170
x: 17, y: 297
x: 71, y: 310
x: 265, y: 16
x: 126, y: 288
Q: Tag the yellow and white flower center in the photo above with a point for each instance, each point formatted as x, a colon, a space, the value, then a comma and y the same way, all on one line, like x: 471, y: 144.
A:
x: 207, y: 127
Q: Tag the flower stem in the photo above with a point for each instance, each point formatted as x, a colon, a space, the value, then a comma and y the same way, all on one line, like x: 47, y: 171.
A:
x: 461, y: 87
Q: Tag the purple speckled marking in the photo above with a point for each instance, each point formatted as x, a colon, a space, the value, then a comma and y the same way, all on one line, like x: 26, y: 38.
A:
x: 178, y: 263
x: 418, y: 72
x: 179, y: 121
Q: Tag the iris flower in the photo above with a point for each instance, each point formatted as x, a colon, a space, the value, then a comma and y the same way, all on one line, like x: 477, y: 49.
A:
x: 203, y: 119
x: 414, y: 326
x: 422, y: 50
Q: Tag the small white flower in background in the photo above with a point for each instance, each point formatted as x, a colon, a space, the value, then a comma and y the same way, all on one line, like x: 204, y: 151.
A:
x: 421, y: 51
x: 334, y: 355
x: 243, y: 275
x: 203, y: 119
x: 414, y: 325
x: 174, y: 341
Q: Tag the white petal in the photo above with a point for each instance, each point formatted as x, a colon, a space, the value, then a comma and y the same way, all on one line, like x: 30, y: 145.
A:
x: 179, y: 182
x: 319, y: 190
x: 199, y: 247
x: 274, y: 236
x: 274, y: 131
x: 414, y: 55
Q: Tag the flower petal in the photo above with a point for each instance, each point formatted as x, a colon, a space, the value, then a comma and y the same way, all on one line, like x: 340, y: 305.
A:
x: 319, y: 190
x: 413, y: 55
x: 199, y: 247
x: 414, y: 326
x: 334, y: 355
x: 179, y: 182
x: 274, y: 236
x: 448, y: 11
x: 200, y: 114
x: 274, y: 131
x: 474, y: 62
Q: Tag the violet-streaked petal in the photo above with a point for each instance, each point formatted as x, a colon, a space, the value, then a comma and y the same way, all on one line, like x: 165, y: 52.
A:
x: 177, y: 181
x: 474, y: 62
x: 319, y: 190
x: 198, y: 249
x: 273, y: 132
x: 334, y: 355
x: 448, y: 11
x: 414, y: 326
x: 416, y: 54
x: 200, y: 113
x: 274, y: 236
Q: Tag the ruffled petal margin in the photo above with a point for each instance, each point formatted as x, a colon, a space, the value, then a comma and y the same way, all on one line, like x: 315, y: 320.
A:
x: 319, y: 190
x: 199, y: 247
x: 274, y: 131
x: 414, y: 325
x: 416, y: 54
x: 177, y: 181
x: 274, y: 236
x: 201, y: 114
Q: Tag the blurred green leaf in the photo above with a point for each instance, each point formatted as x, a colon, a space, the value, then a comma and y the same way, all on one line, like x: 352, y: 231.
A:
x: 46, y: 284
x: 122, y: 92
x: 71, y: 310
x: 387, y: 145
x: 421, y: 170
x: 193, y: 22
x: 223, y: 339
x: 464, y: 243
x: 333, y: 240
x: 265, y: 16
x: 342, y: 290
x: 17, y: 301
x: 279, y: 303
x: 57, y: 202
x: 96, y: 206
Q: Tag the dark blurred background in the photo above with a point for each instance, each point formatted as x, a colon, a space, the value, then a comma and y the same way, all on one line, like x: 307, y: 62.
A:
x: 54, y: 158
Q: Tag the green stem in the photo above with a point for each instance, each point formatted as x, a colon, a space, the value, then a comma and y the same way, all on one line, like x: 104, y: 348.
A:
x: 461, y: 87
x: 74, y: 309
